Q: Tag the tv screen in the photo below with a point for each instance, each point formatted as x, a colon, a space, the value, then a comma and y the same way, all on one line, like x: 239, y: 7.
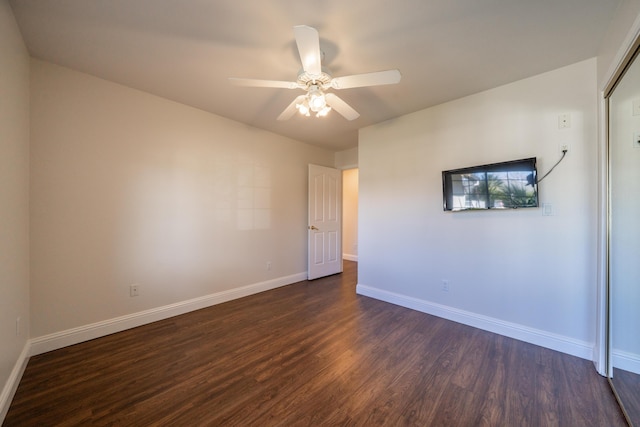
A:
x: 505, y: 185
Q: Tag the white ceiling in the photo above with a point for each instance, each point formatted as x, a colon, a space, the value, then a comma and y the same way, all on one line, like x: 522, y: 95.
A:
x: 185, y: 50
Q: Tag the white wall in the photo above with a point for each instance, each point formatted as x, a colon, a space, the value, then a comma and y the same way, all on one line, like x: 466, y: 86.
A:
x: 346, y: 159
x: 515, y: 272
x: 129, y: 188
x: 14, y: 204
x: 625, y: 228
x: 350, y: 214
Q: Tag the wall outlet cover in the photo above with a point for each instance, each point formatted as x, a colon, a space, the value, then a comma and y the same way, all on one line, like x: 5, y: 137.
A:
x: 134, y: 290
x: 564, y: 121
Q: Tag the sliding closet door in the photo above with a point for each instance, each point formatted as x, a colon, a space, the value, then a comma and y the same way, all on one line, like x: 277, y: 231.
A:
x: 624, y: 240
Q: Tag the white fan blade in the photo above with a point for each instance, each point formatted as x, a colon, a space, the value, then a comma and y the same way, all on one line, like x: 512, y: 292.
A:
x: 291, y: 109
x: 341, y: 107
x: 308, y: 42
x: 378, y: 78
x: 263, y: 83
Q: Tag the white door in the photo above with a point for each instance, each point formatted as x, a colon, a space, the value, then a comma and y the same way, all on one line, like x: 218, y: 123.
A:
x: 325, y: 222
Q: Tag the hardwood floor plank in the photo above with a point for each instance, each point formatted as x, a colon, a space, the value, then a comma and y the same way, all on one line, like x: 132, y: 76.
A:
x: 627, y: 385
x: 312, y: 353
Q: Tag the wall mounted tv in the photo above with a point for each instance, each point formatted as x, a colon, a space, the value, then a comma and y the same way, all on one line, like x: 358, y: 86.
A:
x: 505, y: 185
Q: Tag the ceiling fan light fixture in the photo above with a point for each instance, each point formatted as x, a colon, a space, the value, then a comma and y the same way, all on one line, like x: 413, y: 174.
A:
x: 303, y: 107
x: 324, y: 111
x: 317, y: 102
x: 316, y: 99
x: 314, y: 80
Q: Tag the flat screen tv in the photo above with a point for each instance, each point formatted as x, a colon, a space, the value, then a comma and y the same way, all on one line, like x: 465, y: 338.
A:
x: 505, y: 185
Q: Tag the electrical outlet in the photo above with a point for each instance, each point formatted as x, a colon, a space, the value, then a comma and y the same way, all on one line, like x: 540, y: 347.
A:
x: 562, y: 147
x: 268, y: 265
x: 564, y: 121
x: 445, y: 286
x: 134, y: 290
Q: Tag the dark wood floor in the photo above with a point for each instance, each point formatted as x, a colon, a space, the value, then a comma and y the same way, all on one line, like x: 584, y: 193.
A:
x: 627, y: 385
x: 312, y: 353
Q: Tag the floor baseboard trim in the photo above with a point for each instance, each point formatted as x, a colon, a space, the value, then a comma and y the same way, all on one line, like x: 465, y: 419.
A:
x: 77, y: 335
x: 546, y: 339
x: 626, y: 361
x: 350, y: 257
x: 10, y: 387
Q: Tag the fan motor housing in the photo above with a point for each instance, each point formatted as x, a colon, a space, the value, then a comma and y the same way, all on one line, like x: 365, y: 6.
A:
x: 305, y: 79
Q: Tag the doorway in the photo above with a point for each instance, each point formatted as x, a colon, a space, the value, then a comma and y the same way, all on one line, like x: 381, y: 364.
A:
x: 350, y: 214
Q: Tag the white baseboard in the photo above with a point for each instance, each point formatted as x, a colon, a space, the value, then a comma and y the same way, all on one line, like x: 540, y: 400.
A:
x: 626, y: 361
x: 13, y: 381
x: 77, y: 335
x: 546, y: 339
x: 350, y: 257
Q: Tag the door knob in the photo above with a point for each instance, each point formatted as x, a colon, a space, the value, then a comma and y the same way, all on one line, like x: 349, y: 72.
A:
x: 313, y: 227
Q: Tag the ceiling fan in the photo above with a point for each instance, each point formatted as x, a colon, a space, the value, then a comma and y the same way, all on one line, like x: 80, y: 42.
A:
x: 316, y: 81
